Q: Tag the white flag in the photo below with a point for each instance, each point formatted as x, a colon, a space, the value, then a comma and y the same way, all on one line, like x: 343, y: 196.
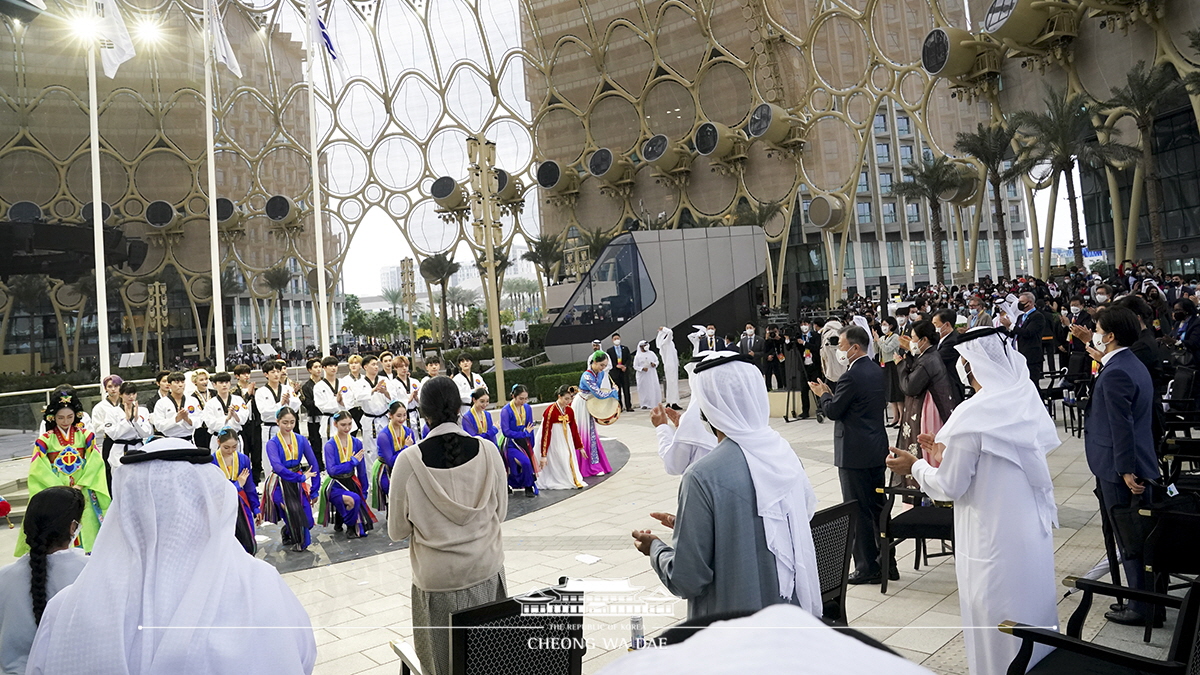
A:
x: 319, y: 32
x: 115, y: 46
x: 222, y: 51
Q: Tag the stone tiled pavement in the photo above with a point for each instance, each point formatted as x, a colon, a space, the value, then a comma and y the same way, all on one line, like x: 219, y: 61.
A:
x: 357, y: 607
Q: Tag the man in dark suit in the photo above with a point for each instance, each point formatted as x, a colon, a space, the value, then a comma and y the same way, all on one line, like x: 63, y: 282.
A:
x: 753, y: 345
x: 1029, y: 330
x: 943, y: 323
x: 1118, y: 439
x: 707, y: 340
x: 860, y: 445
x: 621, y: 359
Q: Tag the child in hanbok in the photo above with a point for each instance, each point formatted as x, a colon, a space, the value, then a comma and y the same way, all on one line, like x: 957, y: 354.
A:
x: 294, y: 482
x: 344, y: 495
x: 236, y: 468
x: 594, y: 382
x: 516, y: 423
x: 388, y: 444
x: 66, y: 455
x: 478, y: 421
x: 560, y: 445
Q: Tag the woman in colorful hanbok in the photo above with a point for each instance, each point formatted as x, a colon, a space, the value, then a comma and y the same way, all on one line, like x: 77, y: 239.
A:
x: 344, y: 495
x: 66, y: 455
x: 560, y: 445
x: 236, y: 468
x: 294, y: 482
x: 517, y: 422
x: 593, y: 383
x: 388, y: 444
x: 478, y: 421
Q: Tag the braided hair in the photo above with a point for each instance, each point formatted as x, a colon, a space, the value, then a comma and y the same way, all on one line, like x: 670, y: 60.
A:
x: 47, y: 528
x: 441, y: 404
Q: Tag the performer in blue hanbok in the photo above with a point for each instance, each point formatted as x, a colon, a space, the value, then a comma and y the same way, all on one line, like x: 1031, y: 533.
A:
x: 517, y: 422
x: 388, y: 444
x: 344, y: 495
x: 594, y: 382
x: 236, y: 468
x: 478, y: 421
x: 294, y: 482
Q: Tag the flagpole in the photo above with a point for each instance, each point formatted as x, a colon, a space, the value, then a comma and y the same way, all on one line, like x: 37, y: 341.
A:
x: 322, y: 285
x: 97, y: 211
x: 213, y: 238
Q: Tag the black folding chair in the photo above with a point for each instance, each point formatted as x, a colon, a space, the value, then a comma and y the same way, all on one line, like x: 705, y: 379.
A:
x: 833, y: 532
x: 925, y: 520
x: 1073, y: 656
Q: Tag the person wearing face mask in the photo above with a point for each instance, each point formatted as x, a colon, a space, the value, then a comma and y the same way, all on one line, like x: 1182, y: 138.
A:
x: 887, y: 344
x: 1118, y: 438
x: 1187, y: 329
x: 977, y: 316
x: 705, y: 339
x: 830, y: 364
x: 621, y: 358
x: 1103, y: 293
x: 809, y: 349
x: 856, y: 403
x: 752, y: 345
x: 943, y: 323
x: 1028, y: 330
x: 1076, y: 316
x: 929, y: 392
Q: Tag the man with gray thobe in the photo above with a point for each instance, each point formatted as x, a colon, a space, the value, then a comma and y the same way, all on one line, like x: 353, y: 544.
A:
x: 741, y: 537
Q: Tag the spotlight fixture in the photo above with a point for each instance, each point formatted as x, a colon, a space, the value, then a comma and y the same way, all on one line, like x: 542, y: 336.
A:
x: 948, y: 52
x: 24, y: 212
x: 827, y: 212
x: 554, y: 177
x: 160, y: 213
x: 281, y: 210
x: 106, y: 212
x: 715, y: 140
x: 663, y: 154
x: 608, y: 167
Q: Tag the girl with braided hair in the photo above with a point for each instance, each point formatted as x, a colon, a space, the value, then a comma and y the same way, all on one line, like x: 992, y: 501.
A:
x: 449, y: 494
x: 51, y: 565
x: 66, y: 454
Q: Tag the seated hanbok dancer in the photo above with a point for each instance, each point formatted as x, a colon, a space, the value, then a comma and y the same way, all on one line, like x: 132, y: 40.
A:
x: 127, y: 429
x: 344, y: 495
x: 289, y: 490
x: 517, y: 422
x: 388, y: 444
x: 478, y: 421
x: 235, y: 466
x: 560, y: 444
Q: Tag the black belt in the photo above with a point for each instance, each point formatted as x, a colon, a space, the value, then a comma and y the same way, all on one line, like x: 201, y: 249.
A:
x: 271, y: 424
x: 126, y: 441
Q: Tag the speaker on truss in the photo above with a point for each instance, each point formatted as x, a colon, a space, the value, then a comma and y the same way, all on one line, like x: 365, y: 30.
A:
x: 948, y: 52
x: 968, y: 185
x: 663, y: 154
x: 448, y: 193
x: 228, y: 214
x: 827, y: 212
x: 282, y: 210
x: 608, y: 167
x: 556, y: 178
x: 506, y: 186
x: 714, y: 140
x: 24, y: 212
x: 160, y: 213
x: 770, y: 123
x: 106, y: 212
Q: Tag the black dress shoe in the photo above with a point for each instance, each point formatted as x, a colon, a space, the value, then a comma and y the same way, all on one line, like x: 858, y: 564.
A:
x: 529, y: 492
x: 857, y: 579
x: 337, y: 527
x: 1128, y: 617
x: 893, y: 574
x: 674, y: 406
x: 1117, y: 606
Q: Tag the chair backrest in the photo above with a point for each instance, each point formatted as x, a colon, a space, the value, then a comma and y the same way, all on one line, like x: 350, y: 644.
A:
x: 833, y: 537
x: 1185, y: 644
x: 502, y: 638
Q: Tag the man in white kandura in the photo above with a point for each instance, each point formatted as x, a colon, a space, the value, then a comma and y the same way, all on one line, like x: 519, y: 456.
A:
x: 670, y: 363
x: 741, y: 538
x: 993, y: 467
x: 645, y: 366
x: 168, y: 588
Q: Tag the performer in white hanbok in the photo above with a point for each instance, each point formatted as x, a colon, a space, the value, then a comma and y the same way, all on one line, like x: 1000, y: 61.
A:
x: 993, y: 467
x: 645, y: 364
x: 665, y: 340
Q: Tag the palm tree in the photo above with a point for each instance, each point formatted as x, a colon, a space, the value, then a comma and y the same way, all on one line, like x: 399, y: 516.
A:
x: 1144, y: 93
x: 1192, y: 79
x: 394, y: 297
x: 1063, y: 135
x: 277, y: 279
x: 928, y: 180
x: 28, y: 291
x: 595, y: 241
x: 758, y: 214
x: 437, y: 269
x: 544, y: 252
x: 991, y: 146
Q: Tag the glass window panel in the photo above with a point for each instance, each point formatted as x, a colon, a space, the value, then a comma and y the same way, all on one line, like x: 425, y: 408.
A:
x: 883, y: 153
x: 864, y: 212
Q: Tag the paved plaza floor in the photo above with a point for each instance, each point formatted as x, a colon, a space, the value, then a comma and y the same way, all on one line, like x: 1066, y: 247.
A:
x: 358, y: 606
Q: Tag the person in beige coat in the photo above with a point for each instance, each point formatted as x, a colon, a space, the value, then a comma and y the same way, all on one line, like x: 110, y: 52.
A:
x: 449, y: 495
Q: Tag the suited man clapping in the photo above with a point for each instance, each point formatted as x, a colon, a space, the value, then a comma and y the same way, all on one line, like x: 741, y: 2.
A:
x: 1118, y: 438
x: 621, y: 359
x: 860, y: 445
